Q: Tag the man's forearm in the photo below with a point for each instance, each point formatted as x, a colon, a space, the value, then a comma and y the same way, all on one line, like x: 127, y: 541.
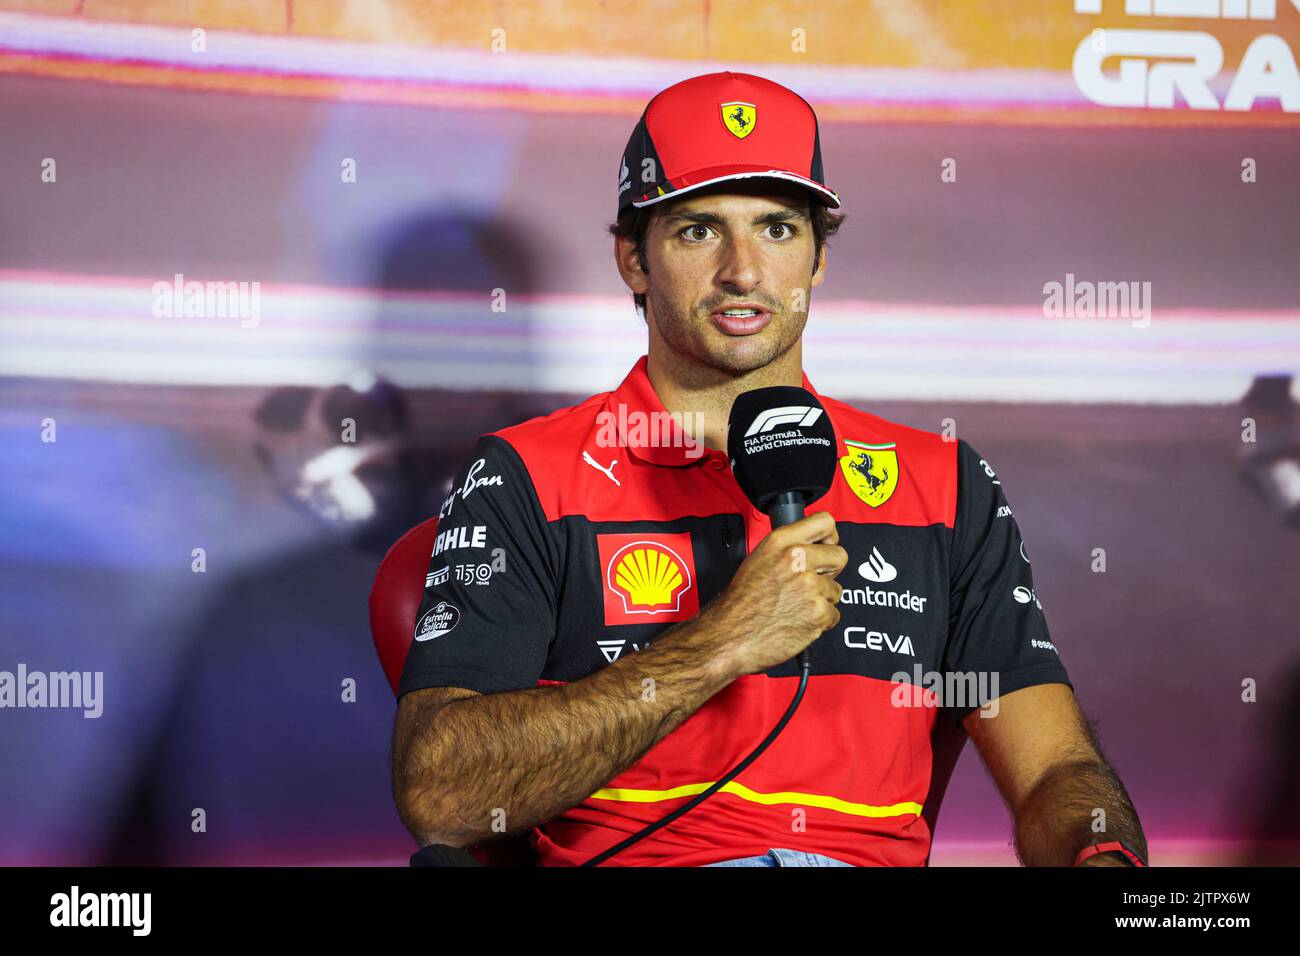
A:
x: 531, y: 754
x: 1060, y: 815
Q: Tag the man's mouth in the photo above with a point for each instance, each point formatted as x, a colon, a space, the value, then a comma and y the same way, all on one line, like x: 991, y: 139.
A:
x: 744, y: 319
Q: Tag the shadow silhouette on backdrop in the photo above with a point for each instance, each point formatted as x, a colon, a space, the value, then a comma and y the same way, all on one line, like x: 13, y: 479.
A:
x: 263, y: 734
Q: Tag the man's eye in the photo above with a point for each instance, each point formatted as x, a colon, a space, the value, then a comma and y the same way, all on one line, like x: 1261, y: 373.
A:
x: 690, y: 233
x: 787, y: 230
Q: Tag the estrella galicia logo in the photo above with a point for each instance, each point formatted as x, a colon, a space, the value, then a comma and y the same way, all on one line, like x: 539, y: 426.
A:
x: 437, y: 621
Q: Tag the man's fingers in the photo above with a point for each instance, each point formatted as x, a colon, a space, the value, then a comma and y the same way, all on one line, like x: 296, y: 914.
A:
x: 831, y: 534
x: 827, y: 558
x: 821, y: 558
x: 816, y: 528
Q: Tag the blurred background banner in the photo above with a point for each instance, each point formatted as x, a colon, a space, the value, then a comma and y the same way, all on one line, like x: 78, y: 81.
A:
x: 228, y: 225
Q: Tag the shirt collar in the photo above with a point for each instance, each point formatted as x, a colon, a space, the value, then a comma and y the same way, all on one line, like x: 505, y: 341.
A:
x: 635, y: 400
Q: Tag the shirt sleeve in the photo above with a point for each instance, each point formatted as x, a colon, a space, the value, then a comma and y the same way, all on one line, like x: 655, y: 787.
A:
x: 997, y: 630
x: 487, y: 618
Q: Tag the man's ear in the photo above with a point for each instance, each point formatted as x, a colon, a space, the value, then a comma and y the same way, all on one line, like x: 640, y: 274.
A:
x: 629, y: 265
x: 819, y: 272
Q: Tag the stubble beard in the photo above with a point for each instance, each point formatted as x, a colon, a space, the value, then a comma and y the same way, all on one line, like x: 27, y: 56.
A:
x: 699, y: 342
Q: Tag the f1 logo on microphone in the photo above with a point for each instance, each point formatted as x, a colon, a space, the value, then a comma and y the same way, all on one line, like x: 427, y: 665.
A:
x: 801, y: 415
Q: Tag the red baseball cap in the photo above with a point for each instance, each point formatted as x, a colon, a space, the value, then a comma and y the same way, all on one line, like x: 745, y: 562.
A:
x: 716, y: 127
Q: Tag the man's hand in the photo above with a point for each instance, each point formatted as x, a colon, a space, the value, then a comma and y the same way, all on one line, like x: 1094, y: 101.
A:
x: 781, y: 599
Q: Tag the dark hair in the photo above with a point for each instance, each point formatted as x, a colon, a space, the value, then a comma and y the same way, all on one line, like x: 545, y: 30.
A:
x: 634, y: 223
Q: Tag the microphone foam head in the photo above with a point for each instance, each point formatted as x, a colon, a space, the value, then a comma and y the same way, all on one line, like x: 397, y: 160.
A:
x: 780, y: 439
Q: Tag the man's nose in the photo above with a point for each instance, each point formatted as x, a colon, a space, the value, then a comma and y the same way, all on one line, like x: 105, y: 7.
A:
x: 739, y: 265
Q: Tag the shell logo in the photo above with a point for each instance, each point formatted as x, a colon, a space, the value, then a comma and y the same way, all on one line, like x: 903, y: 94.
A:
x: 648, y: 575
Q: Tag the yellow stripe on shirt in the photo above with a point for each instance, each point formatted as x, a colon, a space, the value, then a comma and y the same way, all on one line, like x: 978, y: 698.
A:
x: 784, y: 796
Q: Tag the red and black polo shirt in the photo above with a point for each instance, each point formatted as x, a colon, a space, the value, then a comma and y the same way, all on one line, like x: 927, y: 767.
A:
x: 574, y: 538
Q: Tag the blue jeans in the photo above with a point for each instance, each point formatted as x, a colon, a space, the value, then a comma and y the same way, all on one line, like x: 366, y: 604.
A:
x: 782, y: 857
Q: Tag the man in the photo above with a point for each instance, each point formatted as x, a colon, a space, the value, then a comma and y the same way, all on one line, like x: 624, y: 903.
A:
x: 609, y: 625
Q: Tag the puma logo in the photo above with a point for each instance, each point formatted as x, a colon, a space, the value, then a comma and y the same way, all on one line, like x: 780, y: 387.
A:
x: 608, y: 472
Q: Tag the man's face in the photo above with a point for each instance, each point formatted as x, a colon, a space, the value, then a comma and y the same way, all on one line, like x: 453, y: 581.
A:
x: 744, y: 243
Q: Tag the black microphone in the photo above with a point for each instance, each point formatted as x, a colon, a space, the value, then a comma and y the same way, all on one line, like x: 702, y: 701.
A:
x: 782, y: 449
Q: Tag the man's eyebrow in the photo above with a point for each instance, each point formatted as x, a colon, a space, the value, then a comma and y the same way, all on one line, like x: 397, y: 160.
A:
x: 713, y: 219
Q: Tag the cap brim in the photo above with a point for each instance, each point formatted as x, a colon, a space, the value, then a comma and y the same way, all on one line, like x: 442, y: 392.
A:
x: 828, y: 196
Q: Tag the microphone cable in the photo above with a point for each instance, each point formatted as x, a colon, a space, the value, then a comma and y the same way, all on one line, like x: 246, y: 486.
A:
x: 805, y: 665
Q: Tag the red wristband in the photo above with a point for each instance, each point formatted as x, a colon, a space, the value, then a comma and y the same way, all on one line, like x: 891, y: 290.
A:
x: 1115, y: 846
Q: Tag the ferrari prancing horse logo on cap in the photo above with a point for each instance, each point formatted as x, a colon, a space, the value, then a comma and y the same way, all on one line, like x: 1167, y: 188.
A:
x: 739, y: 118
